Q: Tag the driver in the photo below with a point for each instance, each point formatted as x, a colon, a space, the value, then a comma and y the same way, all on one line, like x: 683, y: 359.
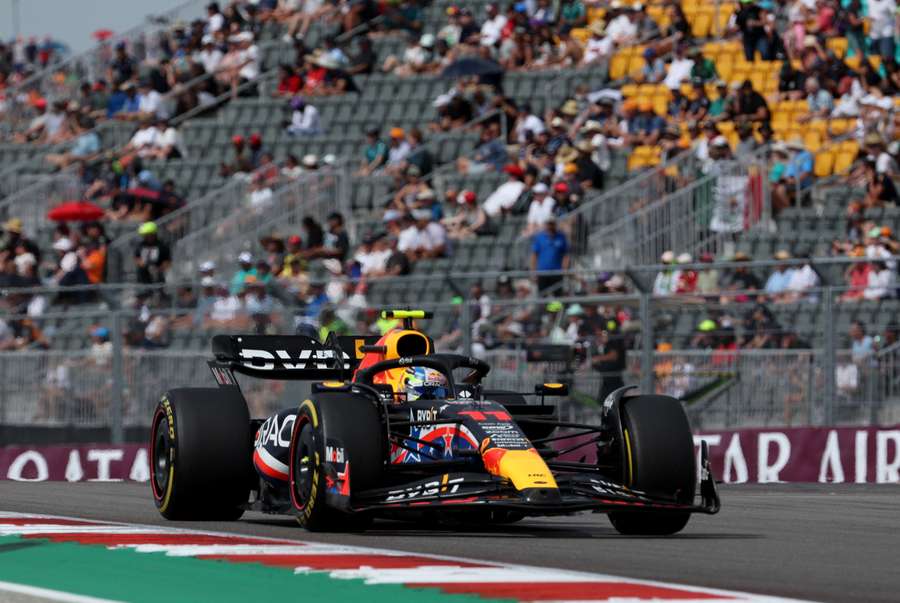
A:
x: 423, y: 383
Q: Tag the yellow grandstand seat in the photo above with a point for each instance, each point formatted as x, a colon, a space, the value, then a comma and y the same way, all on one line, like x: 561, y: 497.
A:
x: 629, y: 90
x: 701, y: 24
x: 618, y: 65
x: 824, y: 164
x: 661, y: 104
x: 582, y: 34
x: 839, y: 126
x: 843, y: 161
x: 853, y: 62
x: 812, y: 140
x: 838, y: 45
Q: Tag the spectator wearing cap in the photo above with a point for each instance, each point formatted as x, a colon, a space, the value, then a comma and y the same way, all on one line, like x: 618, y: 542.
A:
x: 588, y: 173
x: 778, y: 282
x: 406, y: 195
x: 246, y: 269
x: 150, y: 102
x: 608, y: 355
x: 654, y: 69
x: 469, y: 219
x: 549, y: 252
x: 884, y: 161
x: 375, y: 153
x: 687, y: 277
x: 152, y: 256
x: 415, y: 58
x: 666, y: 281
x: 504, y: 198
x: 13, y: 242
x: 210, y: 56
x: 69, y: 272
x: 239, y: 162
x: 305, y: 119
x: 599, y: 46
x: 540, y: 209
x: 398, y: 148
x: 489, y: 155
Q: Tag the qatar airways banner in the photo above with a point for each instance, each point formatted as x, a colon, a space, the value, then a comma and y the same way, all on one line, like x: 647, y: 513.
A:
x: 805, y: 454
x: 798, y: 454
x: 75, y: 463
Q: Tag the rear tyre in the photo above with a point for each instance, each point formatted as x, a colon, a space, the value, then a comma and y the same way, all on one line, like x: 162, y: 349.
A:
x: 343, y: 420
x: 659, y: 460
x: 201, y: 455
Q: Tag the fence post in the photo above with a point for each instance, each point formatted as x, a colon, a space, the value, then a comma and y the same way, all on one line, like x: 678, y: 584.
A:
x: 466, y: 321
x: 116, y: 430
x: 646, y: 345
x: 829, y: 356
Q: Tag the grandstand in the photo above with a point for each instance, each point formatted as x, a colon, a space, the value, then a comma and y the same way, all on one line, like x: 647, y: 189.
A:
x: 716, y: 186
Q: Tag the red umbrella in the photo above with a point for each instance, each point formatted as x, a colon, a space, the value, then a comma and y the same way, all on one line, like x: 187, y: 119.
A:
x: 75, y: 211
x: 102, y: 34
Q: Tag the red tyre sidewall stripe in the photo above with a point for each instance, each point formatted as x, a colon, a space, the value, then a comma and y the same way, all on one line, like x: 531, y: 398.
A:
x: 153, y: 431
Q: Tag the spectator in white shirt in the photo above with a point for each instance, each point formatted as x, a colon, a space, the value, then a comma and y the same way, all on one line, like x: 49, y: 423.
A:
x: 622, y: 29
x: 599, y: 46
x: 215, y: 20
x: 304, y: 118
x: 150, y: 102
x: 504, y: 198
x: 424, y: 238
x: 881, y: 282
x: 249, y: 57
x: 492, y: 28
x: 145, y: 140
x: 398, y: 148
x: 527, y: 122
x: 679, y: 69
x: 168, y: 143
x: 539, y: 210
x: 882, y: 25
x: 210, y: 56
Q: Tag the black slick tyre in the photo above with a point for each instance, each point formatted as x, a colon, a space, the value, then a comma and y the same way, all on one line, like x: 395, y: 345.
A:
x: 659, y: 460
x: 339, y: 419
x: 201, y: 454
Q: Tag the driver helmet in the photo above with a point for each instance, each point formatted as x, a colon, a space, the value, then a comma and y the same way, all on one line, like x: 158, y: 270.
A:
x: 423, y: 383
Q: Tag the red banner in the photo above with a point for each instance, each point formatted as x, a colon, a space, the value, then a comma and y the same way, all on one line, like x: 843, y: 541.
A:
x: 805, y: 454
x: 797, y: 454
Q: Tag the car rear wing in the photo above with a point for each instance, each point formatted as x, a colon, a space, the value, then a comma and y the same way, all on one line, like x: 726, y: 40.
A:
x: 290, y: 357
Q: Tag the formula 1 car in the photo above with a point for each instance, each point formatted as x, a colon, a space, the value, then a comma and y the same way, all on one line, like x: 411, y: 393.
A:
x: 357, y: 448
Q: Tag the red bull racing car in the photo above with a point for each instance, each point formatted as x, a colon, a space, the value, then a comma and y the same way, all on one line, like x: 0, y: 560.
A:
x: 393, y: 430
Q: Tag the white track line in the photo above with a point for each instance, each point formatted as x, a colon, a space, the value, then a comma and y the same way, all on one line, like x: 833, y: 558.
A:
x: 49, y: 594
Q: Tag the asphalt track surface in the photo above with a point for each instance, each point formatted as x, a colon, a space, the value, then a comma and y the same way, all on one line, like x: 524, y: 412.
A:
x: 819, y: 542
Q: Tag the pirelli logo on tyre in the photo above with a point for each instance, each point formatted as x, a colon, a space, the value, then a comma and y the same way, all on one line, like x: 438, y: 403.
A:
x: 170, y: 418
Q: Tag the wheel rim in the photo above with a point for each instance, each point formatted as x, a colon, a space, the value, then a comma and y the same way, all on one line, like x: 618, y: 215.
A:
x: 160, y: 457
x: 304, y: 464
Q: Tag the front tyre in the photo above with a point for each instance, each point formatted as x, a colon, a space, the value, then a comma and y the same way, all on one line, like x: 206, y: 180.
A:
x: 200, y: 454
x: 341, y: 421
x: 659, y: 460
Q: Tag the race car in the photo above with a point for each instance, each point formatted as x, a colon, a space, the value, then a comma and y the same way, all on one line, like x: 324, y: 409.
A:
x: 392, y: 429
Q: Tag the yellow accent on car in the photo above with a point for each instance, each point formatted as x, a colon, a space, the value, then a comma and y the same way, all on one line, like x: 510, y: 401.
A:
x: 553, y: 385
x: 333, y: 384
x: 312, y: 411
x: 401, y: 314
x: 628, y: 455
x: 526, y: 469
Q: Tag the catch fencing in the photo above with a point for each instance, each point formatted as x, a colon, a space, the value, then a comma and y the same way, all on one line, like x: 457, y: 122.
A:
x: 789, y: 365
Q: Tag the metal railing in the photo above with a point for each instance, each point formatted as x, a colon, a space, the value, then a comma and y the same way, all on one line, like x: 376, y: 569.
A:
x: 225, y: 222
x: 526, y: 339
x: 32, y: 203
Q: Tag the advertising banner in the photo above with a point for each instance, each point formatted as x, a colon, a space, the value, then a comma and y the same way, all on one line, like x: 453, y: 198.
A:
x: 795, y: 454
